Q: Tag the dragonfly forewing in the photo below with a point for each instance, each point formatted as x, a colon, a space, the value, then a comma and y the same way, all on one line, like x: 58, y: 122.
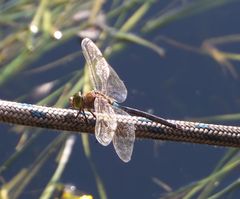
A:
x: 115, y: 87
x: 98, y: 66
x: 124, y: 137
x: 106, y: 123
x: 103, y: 76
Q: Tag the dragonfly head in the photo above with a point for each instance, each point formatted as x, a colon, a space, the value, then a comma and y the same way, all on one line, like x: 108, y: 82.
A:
x: 76, y: 101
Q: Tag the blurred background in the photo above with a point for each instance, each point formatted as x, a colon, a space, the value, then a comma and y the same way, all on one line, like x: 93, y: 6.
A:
x: 179, y: 60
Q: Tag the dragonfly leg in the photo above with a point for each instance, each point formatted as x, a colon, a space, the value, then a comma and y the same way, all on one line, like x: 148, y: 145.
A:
x: 78, y: 113
x: 85, y: 117
x: 81, y: 111
x: 92, y: 114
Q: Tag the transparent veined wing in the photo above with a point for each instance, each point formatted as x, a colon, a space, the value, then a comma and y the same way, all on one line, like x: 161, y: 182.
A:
x: 106, y: 122
x: 124, y: 137
x: 103, y: 77
x: 98, y: 67
x: 115, y: 87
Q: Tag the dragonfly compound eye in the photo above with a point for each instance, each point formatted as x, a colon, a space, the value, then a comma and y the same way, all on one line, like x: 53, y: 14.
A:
x: 76, y: 101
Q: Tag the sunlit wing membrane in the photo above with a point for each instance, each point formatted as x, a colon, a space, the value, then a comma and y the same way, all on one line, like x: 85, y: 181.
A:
x: 103, y: 77
x: 106, y: 122
x: 124, y: 137
x: 98, y: 67
x: 115, y: 87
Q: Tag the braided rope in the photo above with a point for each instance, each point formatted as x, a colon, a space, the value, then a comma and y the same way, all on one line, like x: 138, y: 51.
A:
x: 65, y: 119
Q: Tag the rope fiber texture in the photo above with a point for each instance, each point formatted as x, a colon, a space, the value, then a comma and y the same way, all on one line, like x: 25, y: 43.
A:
x: 65, y: 119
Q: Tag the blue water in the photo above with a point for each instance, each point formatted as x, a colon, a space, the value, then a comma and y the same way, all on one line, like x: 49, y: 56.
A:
x: 181, y: 85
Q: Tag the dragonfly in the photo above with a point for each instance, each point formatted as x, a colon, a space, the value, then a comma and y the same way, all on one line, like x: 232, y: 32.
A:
x: 109, y: 90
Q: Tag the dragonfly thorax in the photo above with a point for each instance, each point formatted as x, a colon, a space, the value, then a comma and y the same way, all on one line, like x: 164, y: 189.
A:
x: 89, y: 98
x: 86, y: 101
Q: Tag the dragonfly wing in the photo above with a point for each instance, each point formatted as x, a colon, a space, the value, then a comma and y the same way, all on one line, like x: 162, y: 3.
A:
x: 106, y: 122
x: 124, y: 138
x: 98, y: 66
x: 103, y: 76
x: 115, y: 87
